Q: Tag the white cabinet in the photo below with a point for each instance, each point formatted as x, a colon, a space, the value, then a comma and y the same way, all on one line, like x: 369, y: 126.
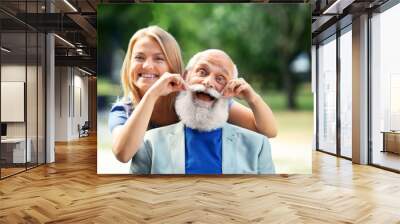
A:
x: 12, y: 101
x: 17, y: 147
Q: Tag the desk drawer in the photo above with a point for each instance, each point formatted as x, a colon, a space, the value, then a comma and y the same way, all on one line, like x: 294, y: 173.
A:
x: 6, y: 154
x: 392, y: 142
x: 15, y: 152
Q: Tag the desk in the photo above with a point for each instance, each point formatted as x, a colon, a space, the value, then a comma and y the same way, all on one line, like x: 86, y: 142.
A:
x: 391, y: 141
x: 13, y: 150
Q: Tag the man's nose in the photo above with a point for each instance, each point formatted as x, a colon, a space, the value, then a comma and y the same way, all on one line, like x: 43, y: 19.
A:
x: 208, y: 82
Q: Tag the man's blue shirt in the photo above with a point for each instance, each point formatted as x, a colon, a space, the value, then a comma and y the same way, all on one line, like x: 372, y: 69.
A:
x: 203, y: 151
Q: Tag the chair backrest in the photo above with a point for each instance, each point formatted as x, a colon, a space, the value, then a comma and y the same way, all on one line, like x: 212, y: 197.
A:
x: 86, y: 125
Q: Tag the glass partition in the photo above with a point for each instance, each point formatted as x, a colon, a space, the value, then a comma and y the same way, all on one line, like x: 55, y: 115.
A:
x: 346, y: 93
x: 13, y: 103
x: 41, y: 86
x: 31, y: 99
x: 327, y: 95
x: 385, y: 89
x: 35, y: 63
x: 22, y: 88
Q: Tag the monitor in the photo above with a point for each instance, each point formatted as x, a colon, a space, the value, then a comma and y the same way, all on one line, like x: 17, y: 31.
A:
x: 3, y: 129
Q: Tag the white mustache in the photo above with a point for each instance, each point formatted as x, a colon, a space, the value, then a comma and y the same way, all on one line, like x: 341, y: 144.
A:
x: 201, y: 88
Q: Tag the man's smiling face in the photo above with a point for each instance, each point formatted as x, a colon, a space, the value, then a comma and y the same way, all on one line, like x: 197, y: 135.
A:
x: 213, y: 70
x: 202, y: 106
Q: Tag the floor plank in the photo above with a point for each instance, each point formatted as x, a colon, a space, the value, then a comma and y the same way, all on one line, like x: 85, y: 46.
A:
x: 70, y: 191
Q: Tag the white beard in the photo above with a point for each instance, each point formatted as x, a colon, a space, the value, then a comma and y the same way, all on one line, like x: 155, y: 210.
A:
x: 199, y: 115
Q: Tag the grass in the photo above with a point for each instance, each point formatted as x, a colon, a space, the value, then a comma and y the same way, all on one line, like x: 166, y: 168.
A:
x: 277, y: 100
x: 291, y: 149
x: 107, y: 88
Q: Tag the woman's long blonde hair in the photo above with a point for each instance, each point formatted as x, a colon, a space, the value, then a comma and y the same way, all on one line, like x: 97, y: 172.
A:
x: 170, y: 48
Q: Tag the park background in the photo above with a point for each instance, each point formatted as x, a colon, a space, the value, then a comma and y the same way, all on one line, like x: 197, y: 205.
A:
x: 269, y: 43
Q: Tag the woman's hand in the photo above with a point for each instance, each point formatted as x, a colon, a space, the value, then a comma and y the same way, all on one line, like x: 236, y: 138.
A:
x: 259, y: 117
x: 241, y: 89
x: 127, y: 138
x: 167, y: 84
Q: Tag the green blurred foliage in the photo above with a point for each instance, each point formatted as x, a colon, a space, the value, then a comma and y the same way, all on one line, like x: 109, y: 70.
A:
x: 262, y: 39
x: 277, y: 100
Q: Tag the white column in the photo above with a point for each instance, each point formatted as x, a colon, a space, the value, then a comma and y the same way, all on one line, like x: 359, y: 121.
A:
x: 50, y: 100
x: 360, y: 90
x: 50, y: 93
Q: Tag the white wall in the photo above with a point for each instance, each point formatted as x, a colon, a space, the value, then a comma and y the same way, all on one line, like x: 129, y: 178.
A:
x: 71, y: 94
x: 13, y: 72
x: 80, y: 100
x: 16, y: 73
x: 61, y: 103
x: 12, y: 101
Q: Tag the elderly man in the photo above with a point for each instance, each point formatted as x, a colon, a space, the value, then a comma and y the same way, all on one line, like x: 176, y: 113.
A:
x: 203, y: 142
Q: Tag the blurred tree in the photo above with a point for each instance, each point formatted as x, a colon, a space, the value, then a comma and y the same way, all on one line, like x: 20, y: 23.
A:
x: 262, y: 39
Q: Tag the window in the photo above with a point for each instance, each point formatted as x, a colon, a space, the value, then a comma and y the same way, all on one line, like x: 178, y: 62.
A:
x: 385, y: 88
x: 327, y: 96
x: 345, y: 92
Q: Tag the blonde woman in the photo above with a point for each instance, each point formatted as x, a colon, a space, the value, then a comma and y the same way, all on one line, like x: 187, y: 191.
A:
x: 151, y: 76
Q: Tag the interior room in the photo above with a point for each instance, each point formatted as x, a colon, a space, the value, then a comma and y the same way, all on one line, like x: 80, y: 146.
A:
x: 385, y: 74
x: 22, y: 102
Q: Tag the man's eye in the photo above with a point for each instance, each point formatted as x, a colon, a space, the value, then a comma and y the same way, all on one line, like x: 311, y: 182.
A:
x: 160, y: 59
x: 202, y: 72
x: 221, y: 80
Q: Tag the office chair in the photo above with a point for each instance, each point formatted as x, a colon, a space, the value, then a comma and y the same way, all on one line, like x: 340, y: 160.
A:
x: 84, y: 130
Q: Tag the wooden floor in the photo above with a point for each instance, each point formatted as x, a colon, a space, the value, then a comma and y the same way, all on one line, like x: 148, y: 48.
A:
x: 10, y: 171
x: 70, y: 191
x: 387, y: 159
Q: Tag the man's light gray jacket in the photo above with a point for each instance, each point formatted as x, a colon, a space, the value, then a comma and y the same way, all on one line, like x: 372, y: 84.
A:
x: 163, y: 152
